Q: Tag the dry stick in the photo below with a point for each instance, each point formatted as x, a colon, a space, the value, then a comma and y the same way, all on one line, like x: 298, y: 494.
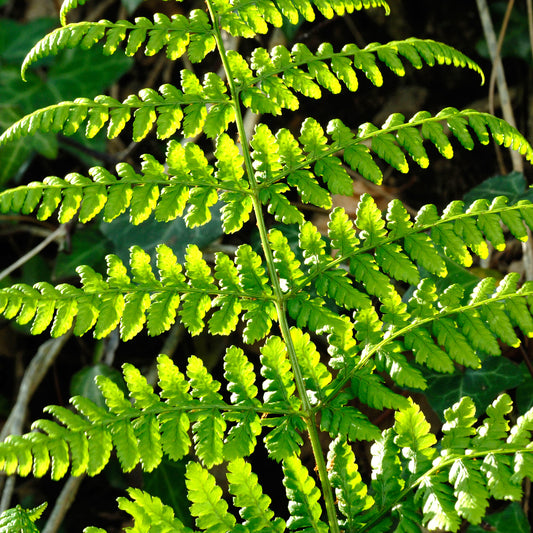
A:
x: 58, y: 233
x: 530, y: 22
x: 527, y: 488
x: 46, y: 354
x: 503, y: 91
x: 516, y: 158
x: 492, y: 82
x: 63, y: 503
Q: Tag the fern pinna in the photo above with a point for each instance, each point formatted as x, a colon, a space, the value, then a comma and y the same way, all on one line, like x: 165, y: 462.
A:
x: 331, y: 315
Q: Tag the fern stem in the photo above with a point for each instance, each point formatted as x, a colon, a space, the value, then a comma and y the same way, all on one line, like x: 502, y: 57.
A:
x: 308, y: 412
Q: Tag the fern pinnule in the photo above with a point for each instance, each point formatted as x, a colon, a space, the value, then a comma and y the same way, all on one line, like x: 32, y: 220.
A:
x: 303, y: 496
x: 147, y: 510
x: 249, y: 497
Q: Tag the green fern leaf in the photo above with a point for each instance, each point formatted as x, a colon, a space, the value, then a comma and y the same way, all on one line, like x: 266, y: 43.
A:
x: 312, y: 313
x: 20, y: 519
x: 196, y: 304
x: 456, y: 345
x: 279, y: 206
x: 384, y: 145
x: 287, y: 266
x: 285, y: 439
x: 479, y: 336
x: 252, y: 278
x: 279, y: 384
x: 368, y: 387
x: 258, y: 317
x: 146, y: 430
x: 411, y: 141
x: 438, y: 503
x: 387, y: 481
x: 59, y: 451
x: 347, y: 422
x: 249, y: 497
x: 457, y: 429
x: 369, y: 221
x: 349, y: 488
x: 149, y: 512
x: 342, y: 232
x: 521, y: 436
x: 208, y: 507
x: 420, y: 248
x: 303, y: 497
x: 426, y: 351
x: 174, y: 425
x: 315, y: 373
x: 472, y: 496
x: 209, y: 425
x: 414, y: 437
x: 365, y: 270
x: 241, y: 378
x: 241, y: 439
x: 466, y: 229
x: 224, y: 320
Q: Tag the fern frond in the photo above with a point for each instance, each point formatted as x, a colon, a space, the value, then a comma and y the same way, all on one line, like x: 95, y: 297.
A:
x: 141, y: 425
x: 281, y: 157
x: 245, y: 19
x: 281, y: 73
x: 169, y: 109
x: 389, y: 249
x: 143, y: 299
x: 188, y: 187
x: 450, y: 481
x: 210, y: 511
x: 177, y: 35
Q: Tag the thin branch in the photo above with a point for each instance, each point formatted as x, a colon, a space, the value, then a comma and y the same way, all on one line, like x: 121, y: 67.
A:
x: 60, y: 232
x: 488, y: 30
x: 530, y: 23
x: 63, y: 503
x: 516, y: 158
x: 499, y: 44
x: 46, y: 355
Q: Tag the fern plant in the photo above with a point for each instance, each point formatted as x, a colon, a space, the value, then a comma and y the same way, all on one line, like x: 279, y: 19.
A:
x: 335, y: 327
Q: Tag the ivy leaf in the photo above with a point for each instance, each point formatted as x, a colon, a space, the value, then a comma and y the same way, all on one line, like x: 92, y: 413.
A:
x: 483, y: 385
